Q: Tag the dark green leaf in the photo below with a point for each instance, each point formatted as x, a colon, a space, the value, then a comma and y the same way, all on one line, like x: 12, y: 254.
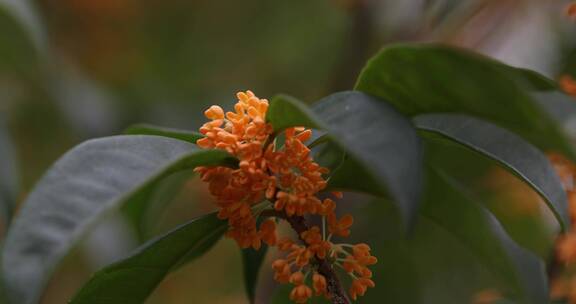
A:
x: 143, y: 213
x: 132, y: 280
x: 252, y: 261
x: 448, y: 204
x: 518, y: 208
x: 146, y: 129
x: 532, y: 80
x: 286, y: 111
x: 383, y: 145
x: 86, y: 183
x: 419, y: 79
x: 507, y: 149
x: 456, y: 250
x: 363, y: 181
x: 381, y: 140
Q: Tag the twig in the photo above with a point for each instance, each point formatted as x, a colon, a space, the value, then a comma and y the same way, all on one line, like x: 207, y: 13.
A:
x: 333, y: 285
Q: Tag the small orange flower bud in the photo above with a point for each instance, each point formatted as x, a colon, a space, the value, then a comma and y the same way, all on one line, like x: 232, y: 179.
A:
x: 361, y: 249
x: 319, y: 283
x: 279, y: 264
x: 268, y: 232
x: 297, y: 278
x: 214, y: 112
x: 304, y: 135
x: 301, y: 294
x: 204, y: 143
x: 338, y: 194
x: 340, y: 227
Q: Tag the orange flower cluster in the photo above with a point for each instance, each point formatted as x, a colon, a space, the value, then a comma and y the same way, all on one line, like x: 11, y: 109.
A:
x: 243, y: 134
x: 564, y: 285
x: 568, y: 84
x: 354, y: 259
x: 281, y: 178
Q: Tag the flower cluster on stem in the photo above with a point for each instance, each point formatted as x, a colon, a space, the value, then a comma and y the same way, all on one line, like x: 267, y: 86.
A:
x: 279, y: 180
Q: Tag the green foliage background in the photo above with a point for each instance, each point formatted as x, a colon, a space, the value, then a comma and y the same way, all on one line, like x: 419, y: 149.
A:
x: 77, y: 69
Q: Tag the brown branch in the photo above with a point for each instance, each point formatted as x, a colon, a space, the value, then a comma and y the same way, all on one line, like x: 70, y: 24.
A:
x: 335, y: 291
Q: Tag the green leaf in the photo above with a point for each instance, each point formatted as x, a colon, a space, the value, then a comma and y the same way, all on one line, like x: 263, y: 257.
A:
x: 508, y: 150
x: 252, y: 261
x: 132, y: 280
x: 379, y: 139
x: 448, y: 204
x: 457, y: 248
x: 146, y: 129
x: 286, y: 111
x: 86, y: 183
x: 517, y: 207
x: 419, y: 79
x: 8, y: 177
x: 532, y: 80
x: 144, y: 215
x: 381, y: 142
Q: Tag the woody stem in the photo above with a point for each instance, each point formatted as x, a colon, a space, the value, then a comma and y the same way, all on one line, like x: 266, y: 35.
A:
x: 333, y: 285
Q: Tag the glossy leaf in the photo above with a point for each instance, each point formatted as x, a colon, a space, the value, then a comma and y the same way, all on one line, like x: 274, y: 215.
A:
x: 143, y: 216
x: 133, y: 279
x: 86, y: 183
x: 146, y: 129
x: 449, y: 205
x: 419, y: 79
x: 521, y: 210
x: 507, y: 149
x: 451, y: 221
x: 374, y: 136
x: 286, y: 111
x: 531, y: 80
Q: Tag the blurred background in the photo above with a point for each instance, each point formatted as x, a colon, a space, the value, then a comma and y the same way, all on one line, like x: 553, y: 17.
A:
x: 77, y: 69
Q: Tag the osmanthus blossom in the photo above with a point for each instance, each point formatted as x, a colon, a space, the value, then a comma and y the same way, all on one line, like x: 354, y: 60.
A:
x: 281, y: 182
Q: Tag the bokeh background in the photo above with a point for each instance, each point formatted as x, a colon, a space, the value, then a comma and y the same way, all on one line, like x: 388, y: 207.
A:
x: 77, y: 69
